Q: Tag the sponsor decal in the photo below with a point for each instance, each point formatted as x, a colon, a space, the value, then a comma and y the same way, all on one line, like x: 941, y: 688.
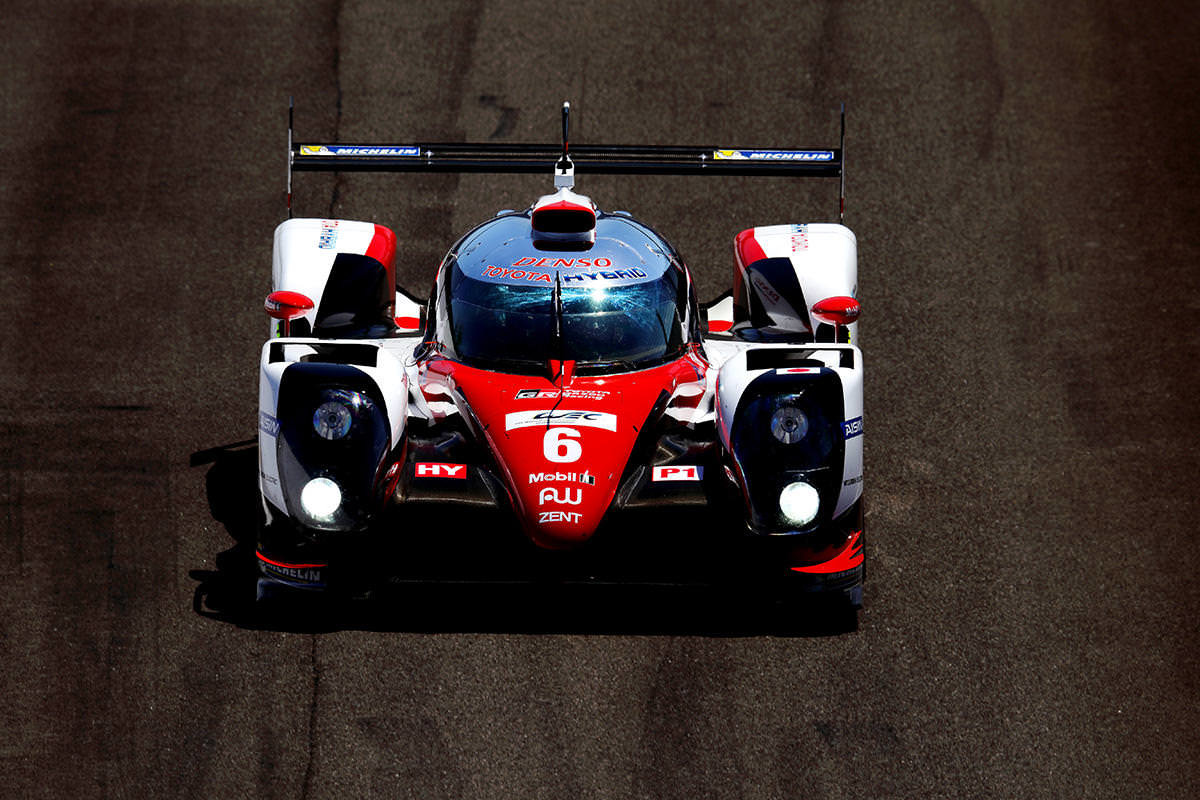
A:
x: 563, y: 263
x: 508, y: 273
x: 852, y: 481
x: 852, y: 427
x: 328, y: 237
x: 268, y: 424
x: 563, y: 477
x: 798, y: 371
x: 428, y: 469
x: 559, y: 516
x: 304, y: 575
x: 614, y: 275
x: 406, y: 151
x: 551, y: 495
x: 580, y: 419
x: 799, y: 237
x: 688, y: 472
x: 536, y: 276
x: 307, y: 573
x: 773, y: 155
x: 569, y: 394
x: 764, y: 288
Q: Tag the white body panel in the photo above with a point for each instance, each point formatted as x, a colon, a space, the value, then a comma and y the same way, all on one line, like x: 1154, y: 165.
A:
x: 824, y: 257
x: 733, y: 377
x: 304, y: 253
x: 390, y: 374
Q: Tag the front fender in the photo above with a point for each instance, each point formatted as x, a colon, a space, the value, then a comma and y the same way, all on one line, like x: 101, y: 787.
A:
x: 368, y: 400
x: 818, y: 393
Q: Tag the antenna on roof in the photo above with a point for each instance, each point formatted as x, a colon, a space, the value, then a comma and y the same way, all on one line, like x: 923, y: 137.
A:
x: 291, y: 119
x: 564, y: 170
x: 842, y: 171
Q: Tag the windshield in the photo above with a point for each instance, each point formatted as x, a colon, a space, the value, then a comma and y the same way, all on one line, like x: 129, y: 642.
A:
x: 632, y: 325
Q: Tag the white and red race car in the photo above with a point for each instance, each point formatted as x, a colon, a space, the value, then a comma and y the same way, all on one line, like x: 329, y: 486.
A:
x: 562, y: 375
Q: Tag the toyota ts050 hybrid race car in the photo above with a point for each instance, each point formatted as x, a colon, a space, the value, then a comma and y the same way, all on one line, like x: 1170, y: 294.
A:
x: 563, y: 375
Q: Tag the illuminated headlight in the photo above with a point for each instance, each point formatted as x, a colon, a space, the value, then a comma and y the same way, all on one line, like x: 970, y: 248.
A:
x: 799, y: 502
x: 332, y: 418
x: 321, y: 498
x: 789, y: 424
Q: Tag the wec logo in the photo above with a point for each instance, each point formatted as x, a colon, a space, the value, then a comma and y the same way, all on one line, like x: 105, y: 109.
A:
x: 547, y: 417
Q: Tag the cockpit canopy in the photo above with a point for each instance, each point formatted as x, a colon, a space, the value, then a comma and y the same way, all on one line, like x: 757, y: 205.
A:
x: 621, y: 304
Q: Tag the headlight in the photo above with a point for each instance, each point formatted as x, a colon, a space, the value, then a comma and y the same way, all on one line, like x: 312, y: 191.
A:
x: 333, y: 418
x: 788, y: 424
x: 320, y: 499
x: 799, y: 502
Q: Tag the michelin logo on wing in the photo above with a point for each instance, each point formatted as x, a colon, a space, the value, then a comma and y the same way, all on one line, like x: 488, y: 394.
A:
x: 407, y: 151
x: 773, y: 155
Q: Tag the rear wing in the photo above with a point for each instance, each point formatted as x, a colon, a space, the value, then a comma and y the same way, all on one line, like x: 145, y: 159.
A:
x: 496, y: 157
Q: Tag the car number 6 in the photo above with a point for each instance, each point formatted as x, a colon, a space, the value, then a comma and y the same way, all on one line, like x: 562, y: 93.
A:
x: 560, y: 445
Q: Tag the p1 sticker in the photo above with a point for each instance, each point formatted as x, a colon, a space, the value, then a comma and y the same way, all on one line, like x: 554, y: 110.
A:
x: 683, y: 472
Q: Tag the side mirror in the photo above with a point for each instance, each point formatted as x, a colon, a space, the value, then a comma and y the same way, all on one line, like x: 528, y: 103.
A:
x: 287, y: 306
x: 838, y: 310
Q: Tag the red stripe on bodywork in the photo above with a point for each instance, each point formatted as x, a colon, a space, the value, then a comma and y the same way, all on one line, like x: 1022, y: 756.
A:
x: 383, y: 246
x: 383, y: 249
x: 747, y: 249
x: 849, y: 558
x: 285, y: 564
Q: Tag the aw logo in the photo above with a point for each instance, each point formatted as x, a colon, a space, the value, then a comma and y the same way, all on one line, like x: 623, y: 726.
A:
x: 552, y: 495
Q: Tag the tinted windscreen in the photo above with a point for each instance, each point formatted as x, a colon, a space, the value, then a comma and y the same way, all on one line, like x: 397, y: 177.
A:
x: 494, y: 323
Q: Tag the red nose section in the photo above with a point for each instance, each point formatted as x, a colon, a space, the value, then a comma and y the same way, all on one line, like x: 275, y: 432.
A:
x: 564, y: 451
x: 563, y: 446
x: 565, y: 464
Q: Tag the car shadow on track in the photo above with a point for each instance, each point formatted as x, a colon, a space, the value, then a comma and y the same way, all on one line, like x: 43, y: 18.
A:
x: 505, y: 597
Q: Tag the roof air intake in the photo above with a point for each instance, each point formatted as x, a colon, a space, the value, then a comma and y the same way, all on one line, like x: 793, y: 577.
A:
x: 564, y: 220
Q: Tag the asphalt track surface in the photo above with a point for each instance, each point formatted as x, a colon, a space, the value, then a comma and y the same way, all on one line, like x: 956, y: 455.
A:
x: 1024, y: 184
